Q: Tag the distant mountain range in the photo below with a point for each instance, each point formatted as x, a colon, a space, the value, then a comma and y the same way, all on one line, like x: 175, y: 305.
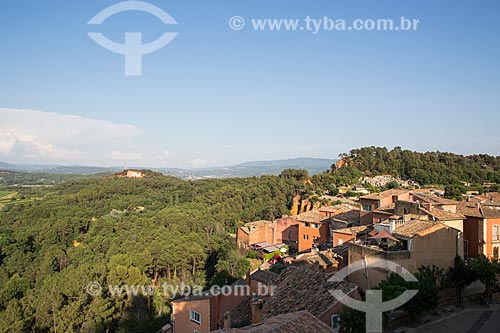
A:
x: 57, y: 169
x: 247, y: 169
x: 257, y: 168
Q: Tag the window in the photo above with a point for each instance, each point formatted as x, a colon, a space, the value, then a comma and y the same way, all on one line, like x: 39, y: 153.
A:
x: 495, y: 253
x: 336, y: 322
x: 196, y: 331
x: 306, y: 225
x: 306, y: 236
x: 341, y: 241
x: 495, y: 232
x: 315, y: 225
x: 195, y: 316
x: 367, y: 208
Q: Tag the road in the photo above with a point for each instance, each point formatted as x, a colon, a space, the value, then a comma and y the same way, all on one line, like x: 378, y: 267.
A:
x: 470, y: 320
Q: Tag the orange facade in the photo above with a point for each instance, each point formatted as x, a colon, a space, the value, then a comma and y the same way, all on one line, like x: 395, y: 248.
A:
x: 312, y: 233
x: 205, y: 314
x: 341, y: 238
x: 371, y: 202
x: 491, y: 234
x: 283, y: 230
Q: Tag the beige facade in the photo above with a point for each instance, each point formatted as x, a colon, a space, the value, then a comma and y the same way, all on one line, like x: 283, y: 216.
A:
x: 437, y: 245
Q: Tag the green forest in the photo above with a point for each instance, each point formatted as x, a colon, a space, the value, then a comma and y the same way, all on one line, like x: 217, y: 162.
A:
x: 425, y: 168
x: 56, y: 239
x: 119, y: 231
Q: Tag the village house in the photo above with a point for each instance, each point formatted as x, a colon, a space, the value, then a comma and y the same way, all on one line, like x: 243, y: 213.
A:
x: 261, y: 282
x: 306, y: 289
x: 371, y: 202
x: 327, y: 260
x: 422, y: 207
x: 342, y: 236
x: 283, y: 230
x: 205, y: 313
x: 202, y: 313
x: 303, y: 288
x: 294, y: 322
x: 412, y: 244
x: 314, y: 230
x: 481, y: 229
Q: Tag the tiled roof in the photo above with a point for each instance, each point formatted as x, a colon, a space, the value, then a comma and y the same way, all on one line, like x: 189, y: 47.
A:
x: 492, y: 196
x: 347, y: 216
x: 387, y: 209
x: 491, y: 213
x: 469, y: 209
x: 442, y: 215
x: 263, y: 276
x: 258, y: 223
x: 304, y: 289
x: 384, y: 194
x: 294, y: 322
x: 417, y: 227
x: 312, y: 217
x: 323, y: 259
x: 479, y: 210
x: 433, y: 199
x: 351, y: 231
x: 336, y: 208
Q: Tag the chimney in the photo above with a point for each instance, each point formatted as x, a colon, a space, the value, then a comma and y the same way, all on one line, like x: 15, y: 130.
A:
x: 257, y: 312
x: 247, y: 277
x: 227, y: 321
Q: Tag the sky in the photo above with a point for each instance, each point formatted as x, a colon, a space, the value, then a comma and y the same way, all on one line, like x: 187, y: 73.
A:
x: 217, y: 96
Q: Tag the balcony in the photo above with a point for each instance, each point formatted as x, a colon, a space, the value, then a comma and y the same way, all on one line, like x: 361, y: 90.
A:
x: 362, y: 250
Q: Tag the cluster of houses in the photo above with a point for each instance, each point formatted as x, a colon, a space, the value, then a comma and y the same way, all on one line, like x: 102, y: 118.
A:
x: 411, y: 228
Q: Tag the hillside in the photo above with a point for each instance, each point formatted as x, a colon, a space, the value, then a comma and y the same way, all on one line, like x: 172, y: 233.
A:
x: 246, y: 169
x: 424, y: 168
x: 256, y: 168
x: 123, y: 231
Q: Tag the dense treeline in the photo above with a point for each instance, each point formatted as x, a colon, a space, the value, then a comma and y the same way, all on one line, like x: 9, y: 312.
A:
x: 424, y: 168
x: 124, y: 232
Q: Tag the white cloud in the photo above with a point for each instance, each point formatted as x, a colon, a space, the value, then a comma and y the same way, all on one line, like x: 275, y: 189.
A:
x: 200, y: 163
x: 127, y: 157
x: 29, y: 147
x: 60, y: 129
x: 28, y: 136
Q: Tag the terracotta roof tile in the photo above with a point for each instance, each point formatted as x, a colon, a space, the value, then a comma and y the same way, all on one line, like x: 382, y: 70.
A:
x: 433, y: 199
x: 351, y: 231
x: 323, y: 259
x: 304, y: 288
x: 442, y: 215
x: 387, y: 209
x: 384, y: 194
x: 263, y: 276
x: 469, y: 209
x: 295, y: 322
x: 335, y: 208
x: 417, y: 227
x: 312, y: 216
x: 491, y: 213
x: 347, y: 216
x: 258, y: 223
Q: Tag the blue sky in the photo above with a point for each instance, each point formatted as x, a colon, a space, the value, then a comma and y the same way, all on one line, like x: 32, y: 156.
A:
x: 215, y: 96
